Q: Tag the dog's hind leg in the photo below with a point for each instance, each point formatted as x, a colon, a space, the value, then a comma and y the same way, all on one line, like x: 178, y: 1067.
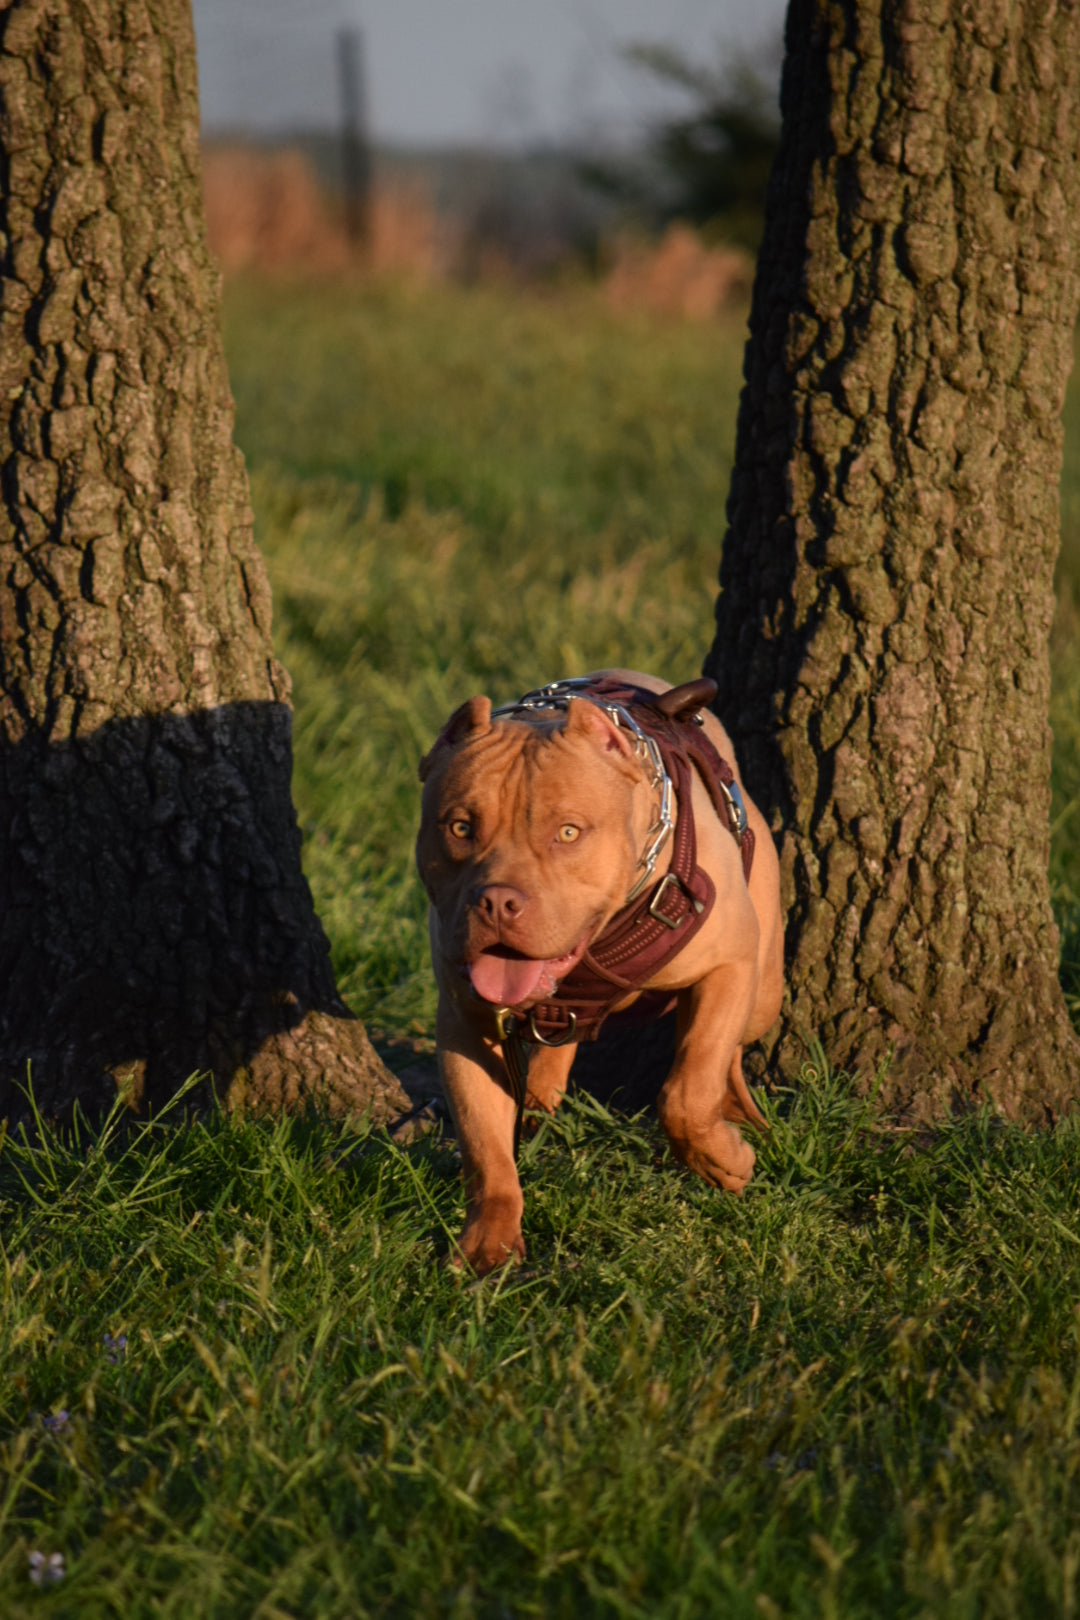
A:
x: 702, y: 1092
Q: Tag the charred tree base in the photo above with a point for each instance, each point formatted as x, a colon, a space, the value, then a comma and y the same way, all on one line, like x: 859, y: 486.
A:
x: 325, y: 1063
x: 155, y: 922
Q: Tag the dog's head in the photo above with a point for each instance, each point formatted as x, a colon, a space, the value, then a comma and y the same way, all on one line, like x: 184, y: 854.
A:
x: 529, y: 836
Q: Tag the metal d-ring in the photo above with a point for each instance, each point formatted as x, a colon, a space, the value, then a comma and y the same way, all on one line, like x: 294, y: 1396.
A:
x: 535, y: 1035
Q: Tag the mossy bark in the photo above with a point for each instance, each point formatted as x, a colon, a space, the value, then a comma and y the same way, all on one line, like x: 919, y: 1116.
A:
x: 154, y: 918
x: 886, y: 585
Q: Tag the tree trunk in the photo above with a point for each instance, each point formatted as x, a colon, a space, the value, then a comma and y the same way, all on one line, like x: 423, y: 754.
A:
x: 886, y: 585
x: 154, y: 918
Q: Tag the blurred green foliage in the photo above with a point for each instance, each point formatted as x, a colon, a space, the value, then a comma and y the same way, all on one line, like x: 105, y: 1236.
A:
x: 710, y: 162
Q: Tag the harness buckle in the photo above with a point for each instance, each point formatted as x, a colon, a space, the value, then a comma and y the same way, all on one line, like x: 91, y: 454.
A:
x: 665, y: 882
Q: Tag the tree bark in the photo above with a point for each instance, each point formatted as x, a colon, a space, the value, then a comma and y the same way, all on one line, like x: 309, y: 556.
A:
x: 886, y: 584
x: 154, y: 918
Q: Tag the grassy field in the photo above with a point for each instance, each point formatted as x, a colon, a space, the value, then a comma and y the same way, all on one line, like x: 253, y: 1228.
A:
x: 235, y: 1379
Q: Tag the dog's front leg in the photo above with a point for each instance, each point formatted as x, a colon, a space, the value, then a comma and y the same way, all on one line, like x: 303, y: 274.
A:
x: 483, y: 1113
x: 712, y: 1020
x: 549, y: 1076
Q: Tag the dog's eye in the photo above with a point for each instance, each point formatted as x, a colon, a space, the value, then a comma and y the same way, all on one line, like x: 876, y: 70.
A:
x: 461, y: 828
x: 568, y: 833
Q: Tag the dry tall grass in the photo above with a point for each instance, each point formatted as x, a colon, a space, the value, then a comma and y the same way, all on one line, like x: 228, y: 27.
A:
x: 265, y: 210
x: 679, y: 275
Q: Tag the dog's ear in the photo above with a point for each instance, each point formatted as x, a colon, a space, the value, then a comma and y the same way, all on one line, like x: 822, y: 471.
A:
x: 584, y: 719
x: 473, y: 716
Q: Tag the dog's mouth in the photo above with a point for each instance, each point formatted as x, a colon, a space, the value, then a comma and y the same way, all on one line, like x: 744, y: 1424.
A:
x: 508, y: 977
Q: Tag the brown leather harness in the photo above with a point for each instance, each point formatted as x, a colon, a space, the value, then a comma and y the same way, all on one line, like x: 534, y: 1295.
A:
x: 659, y: 919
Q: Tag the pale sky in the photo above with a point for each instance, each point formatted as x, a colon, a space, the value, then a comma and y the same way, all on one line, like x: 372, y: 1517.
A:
x: 444, y: 71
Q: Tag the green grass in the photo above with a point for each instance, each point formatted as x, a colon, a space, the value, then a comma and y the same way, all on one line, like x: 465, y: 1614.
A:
x: 855, y: 1392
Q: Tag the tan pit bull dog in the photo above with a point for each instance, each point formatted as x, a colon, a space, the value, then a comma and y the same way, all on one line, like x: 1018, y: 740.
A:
x: 568, y: 881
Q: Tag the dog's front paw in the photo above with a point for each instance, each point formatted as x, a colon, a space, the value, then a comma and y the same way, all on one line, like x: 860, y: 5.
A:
x: 491, y: 1238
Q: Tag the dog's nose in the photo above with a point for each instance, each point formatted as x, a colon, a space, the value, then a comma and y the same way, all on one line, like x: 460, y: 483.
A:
x: 499, y: 902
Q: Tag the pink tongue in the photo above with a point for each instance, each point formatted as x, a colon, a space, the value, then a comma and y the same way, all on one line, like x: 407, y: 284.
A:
x: 505, y: 979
